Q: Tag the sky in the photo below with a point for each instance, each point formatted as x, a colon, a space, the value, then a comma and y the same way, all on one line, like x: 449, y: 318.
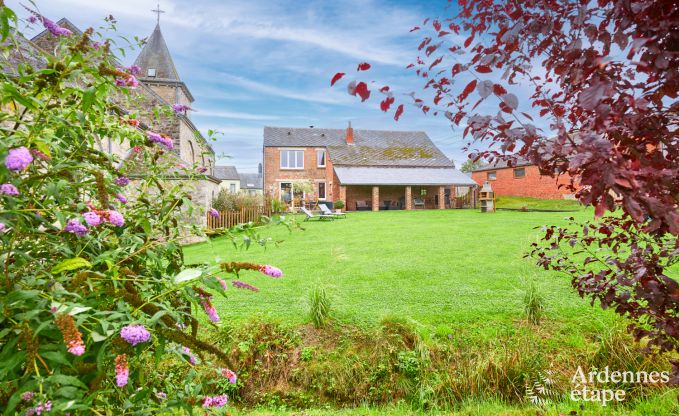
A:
x: 251, y: 64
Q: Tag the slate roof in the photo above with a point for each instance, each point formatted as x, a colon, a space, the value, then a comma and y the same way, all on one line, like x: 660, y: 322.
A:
x: 251, y: 181
x: 370, y: 148
x: 501, y: 164
x: 354, y: 175
x: 226, y: 173
x: 155, y: 54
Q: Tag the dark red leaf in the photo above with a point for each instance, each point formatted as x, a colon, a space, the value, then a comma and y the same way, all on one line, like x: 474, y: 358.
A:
x: 362, y: 90
x: 384, y: 89
x: 437, y: 25
x: 467, y: 90
x: 468, y: 41
x: 436, y: 62
x: 483, y: 69
x: 414, y: 29
x: 399, y: 111
x: 386, y: 103
x: 443, y: 33
x: 336, y: 78
x: 499, y: 90
x: 527, y: 116
x: 363, y: 66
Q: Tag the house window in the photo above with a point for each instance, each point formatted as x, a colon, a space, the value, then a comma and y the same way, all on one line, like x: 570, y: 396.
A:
x: 286, y: 192
x: 320, y: 158
x: 151, y: 72
x: 491, y: 176
x: 232, y: 188
x: 519, y: 172
x: 292, y: 159
x: 321, y: 190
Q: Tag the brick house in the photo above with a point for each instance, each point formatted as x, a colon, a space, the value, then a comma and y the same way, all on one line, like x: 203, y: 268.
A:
x: 523, y: 180
x: 366, y: 169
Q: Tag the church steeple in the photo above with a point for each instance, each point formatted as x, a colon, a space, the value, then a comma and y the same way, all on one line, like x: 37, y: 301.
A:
x: 155, y: 60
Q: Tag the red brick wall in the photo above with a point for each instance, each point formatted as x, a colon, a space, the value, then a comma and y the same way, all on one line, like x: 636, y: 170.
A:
x: 273, y: 174
x: 532, y: 185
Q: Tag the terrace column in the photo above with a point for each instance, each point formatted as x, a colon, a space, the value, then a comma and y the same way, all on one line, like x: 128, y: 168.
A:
x: 376, y: 198
x: 343, y: 196
x: 409, y: 198
x: 442, y: 196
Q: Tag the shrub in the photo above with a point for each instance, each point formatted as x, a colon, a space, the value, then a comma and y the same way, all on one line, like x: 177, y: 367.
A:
x: 93, y: 289
x: 339, y: 204
x: 229, y: 201
x: 319, y: 306
x: 533, y: 304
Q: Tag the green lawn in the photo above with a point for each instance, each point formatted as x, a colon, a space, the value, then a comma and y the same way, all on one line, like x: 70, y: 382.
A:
x: 457, y: 268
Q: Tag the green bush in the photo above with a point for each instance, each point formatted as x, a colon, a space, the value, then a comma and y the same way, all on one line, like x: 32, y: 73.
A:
x: 229, y: 201
x: 339, y: 204
x: 319, y: 306
x: 533, y: 304
x: 94, y: 291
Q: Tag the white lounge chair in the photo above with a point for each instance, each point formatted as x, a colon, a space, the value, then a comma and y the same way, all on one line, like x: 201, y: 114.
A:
x: 326, y: 211
x: 311, y: 216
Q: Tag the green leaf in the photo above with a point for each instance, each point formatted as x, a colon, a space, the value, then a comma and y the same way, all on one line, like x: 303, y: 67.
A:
x: 71, y: 264
x: 57, y: 357
x: 67, y: 380
x: 71, y: 310
x: 88, y: 98
x: 187, y: 274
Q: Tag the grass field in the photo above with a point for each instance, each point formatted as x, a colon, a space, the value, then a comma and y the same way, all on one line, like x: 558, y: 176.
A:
x: 428, y: 313
x: 452, y: 267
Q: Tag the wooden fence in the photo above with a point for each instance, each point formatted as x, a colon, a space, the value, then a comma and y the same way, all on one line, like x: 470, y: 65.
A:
x: 228, y: 219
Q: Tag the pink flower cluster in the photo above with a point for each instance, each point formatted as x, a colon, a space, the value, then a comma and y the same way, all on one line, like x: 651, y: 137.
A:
x: 271, y: 271
x: 135, y: 334
x: 8, y: 189
x: 192, y: 358
x: 42, y: 407
x: 215, y: 401
x: 18, y: 159
x: 242, y: 285
x: 228, y: 374
x: 52, y: 27
x: 222, y: 282
x: 122, y: 370
x: 160, y: 139
x: 180, y: 108
x: 213, y: 213
x: 209, y: 307
x: 94, y: 219
x: 122, y: 181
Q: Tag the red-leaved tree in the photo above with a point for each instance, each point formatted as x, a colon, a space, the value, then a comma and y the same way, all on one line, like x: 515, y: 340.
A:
x: 602, y: 80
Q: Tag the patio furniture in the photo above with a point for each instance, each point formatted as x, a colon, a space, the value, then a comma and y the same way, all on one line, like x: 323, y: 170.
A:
x: 363, y: 206
x: 326, y: 211
x: 385, y: 205
x: 418, y: 202
x: 311, y: 216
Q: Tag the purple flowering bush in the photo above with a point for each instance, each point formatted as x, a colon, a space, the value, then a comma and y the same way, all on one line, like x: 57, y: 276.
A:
x: 94, y: 293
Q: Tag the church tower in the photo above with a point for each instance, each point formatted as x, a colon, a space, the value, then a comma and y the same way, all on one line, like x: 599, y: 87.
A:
x: 158, y: 70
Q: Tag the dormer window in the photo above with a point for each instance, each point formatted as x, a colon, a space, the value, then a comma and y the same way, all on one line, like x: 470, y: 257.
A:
x: 151, y: 72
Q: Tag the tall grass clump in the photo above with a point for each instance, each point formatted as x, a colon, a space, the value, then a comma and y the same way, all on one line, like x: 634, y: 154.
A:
x: 534, y: 304
x: 319, y: 306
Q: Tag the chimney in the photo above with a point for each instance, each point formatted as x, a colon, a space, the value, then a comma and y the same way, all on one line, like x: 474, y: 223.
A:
x: 350, y: 134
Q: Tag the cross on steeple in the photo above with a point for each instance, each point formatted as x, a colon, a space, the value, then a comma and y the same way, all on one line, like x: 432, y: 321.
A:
x: 157, y: 11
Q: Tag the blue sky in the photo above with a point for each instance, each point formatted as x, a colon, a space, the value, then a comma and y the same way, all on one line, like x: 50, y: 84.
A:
x: 251, y: 64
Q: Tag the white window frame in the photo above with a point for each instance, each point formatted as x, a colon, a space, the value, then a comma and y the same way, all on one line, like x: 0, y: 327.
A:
x: 325, y: 190
x: 494, y: 173
x: 318, y: 159
x: 232, y: 188
x: 297, y: 152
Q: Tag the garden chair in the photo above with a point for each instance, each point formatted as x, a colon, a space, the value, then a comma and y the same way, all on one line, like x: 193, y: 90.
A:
x: 418, y: 202
x: 326, y: 211
x: 311, y: 216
